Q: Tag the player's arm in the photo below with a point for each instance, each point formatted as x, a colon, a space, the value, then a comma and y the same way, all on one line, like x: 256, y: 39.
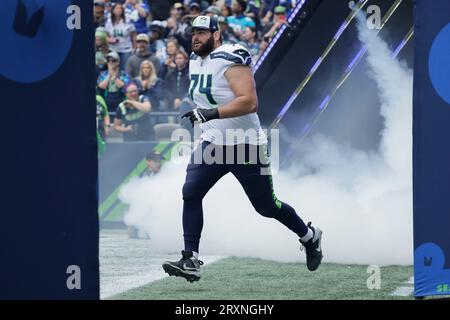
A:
x: 241, y: 82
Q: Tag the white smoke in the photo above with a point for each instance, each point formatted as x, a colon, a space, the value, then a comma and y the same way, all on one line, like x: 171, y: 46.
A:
x: 362, y: 201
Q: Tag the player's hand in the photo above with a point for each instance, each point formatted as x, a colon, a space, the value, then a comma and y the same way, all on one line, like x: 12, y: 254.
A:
x: 201, y: 115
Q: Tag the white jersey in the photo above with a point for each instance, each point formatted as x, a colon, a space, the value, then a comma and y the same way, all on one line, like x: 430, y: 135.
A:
x: 210, y: 89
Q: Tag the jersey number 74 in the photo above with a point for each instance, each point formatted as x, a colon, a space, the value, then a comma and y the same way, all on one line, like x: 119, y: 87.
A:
x: 204, y: 88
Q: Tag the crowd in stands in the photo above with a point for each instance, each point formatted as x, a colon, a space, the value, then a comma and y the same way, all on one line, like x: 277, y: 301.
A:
x: 143, y: 48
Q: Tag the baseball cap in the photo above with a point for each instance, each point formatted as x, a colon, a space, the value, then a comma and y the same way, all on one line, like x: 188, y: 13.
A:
x: 178, y: 5
x: 280, y: 9
x: 194, y: 4
x: 142, y: 37
x: 99, y: 3
x: 154, y: 155
x: 213, y: 10
x: 113, y: 55
x: 206, y: 23
x: 100, y: 32
x: 157, y: 24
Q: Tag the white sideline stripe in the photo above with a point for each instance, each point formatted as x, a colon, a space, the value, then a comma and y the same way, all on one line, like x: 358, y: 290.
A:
x: 131, y: 263
x: 405, y: 291
x: 125, y: 283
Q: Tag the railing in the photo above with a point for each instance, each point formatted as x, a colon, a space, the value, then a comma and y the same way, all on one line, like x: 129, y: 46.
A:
x: 157, y: 114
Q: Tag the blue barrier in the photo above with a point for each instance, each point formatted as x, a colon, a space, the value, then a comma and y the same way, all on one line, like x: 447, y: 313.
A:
x: 49, y: 239
x: 432, y: 148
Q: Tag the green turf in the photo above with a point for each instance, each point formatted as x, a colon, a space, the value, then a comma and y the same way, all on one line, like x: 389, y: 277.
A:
x: 244, y: 278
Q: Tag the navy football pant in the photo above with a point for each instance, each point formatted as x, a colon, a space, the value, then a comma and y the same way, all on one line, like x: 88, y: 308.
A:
x: 201, y: 177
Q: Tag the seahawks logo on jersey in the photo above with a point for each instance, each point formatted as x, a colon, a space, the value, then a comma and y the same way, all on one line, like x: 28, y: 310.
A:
x: 239, y: 56
x: 245, y: 55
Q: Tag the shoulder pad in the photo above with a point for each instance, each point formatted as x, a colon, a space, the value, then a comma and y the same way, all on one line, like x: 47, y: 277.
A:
x: 234, y: 53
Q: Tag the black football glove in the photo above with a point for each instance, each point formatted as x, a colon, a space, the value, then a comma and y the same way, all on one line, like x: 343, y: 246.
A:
x: 201, y: 115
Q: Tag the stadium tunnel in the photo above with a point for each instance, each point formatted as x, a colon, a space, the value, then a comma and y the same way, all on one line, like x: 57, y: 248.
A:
x: 295, y: 57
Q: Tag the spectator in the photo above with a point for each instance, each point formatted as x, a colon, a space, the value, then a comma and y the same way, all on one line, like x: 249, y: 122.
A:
x: 279, y: 19
x: 111, y: 82
x: 226, y: 11
x: 182, y: 30
x: 262, y: 47
x: 122, y: 35
x: 108, y: 8
x: 154, y: 160
x: 150, y: 85
x: 194, y: 8
x: 172, y: 47
x: 212, y: 11
x: 99, y: 14
x: 103, y: 120
x: 177, y: 81
x: 103, y: 123
x: 279, y: 14
x: 238, y: 21
x: 227, y: 34
x: 142, y: 53
x: 174, y: 21
x: 269, y: 6
x: 101, y: 41
x: 157, y: 44
x: 254, y: 9
x: 288, y: 5
x: 137, y: 13
x: 131, y: 116
x: 250, y: 42
x: 101, y: 51
x: 267, y: 11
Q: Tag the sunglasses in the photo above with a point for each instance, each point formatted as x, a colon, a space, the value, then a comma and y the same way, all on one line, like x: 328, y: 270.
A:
x: 112, y: 60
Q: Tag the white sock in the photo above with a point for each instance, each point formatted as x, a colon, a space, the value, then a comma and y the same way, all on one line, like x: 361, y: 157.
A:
x: 307, y: 236
x: 195, y: 254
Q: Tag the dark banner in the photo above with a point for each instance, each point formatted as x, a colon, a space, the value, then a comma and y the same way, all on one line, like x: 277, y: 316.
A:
x: 49, y: 237
x: 432, y: 148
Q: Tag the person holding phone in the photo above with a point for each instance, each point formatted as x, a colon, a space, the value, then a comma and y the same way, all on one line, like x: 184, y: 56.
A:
x: 122, y: 34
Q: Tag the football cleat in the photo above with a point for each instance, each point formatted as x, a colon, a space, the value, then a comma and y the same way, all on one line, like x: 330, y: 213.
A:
x: 187, y: 267
x: 313, y: 249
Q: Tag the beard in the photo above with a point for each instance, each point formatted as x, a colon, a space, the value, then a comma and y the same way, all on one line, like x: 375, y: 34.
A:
x: 205, y: 48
